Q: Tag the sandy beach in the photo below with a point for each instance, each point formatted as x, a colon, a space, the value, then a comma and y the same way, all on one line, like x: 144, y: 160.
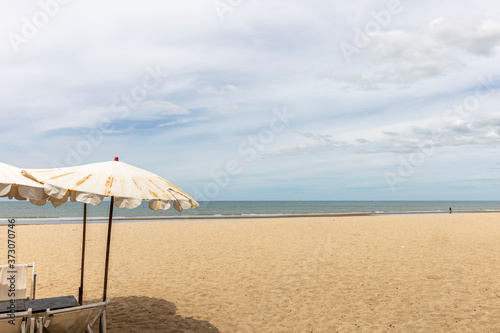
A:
x: 400, y: 273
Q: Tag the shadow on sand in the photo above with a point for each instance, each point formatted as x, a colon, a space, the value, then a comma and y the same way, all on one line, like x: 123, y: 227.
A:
x: 145, y: 314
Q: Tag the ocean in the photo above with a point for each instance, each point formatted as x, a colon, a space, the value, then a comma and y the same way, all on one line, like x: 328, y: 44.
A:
x: 71, y: 212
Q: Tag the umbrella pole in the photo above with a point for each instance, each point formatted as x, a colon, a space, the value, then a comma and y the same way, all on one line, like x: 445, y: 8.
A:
x: 104, y: 295
x: 110, y: 221
x: 80, y: 290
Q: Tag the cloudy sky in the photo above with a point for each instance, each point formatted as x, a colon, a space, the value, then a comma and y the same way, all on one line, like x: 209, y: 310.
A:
x: 260, y: 100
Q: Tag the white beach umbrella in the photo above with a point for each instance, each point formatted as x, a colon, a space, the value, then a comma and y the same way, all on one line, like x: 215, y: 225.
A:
x: 14, y: 185
x: 126, y: 185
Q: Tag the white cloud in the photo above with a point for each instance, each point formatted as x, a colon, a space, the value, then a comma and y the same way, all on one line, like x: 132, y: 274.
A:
x: 439, y: 47
x: 220, y: 81
x: 183, y: 121
x: 470, y: 35
x: 226, y: 89
x: 157, y: 110
x: 227, y: 109
x: 316, y: 143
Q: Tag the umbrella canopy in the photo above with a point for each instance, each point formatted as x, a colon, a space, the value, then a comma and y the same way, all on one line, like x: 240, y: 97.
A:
x: 127, y: 184
x: 14, y: 185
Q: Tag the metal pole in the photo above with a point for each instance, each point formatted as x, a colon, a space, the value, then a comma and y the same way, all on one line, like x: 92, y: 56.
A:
x: 110, y: 221
x: 104, y: 294
x: 80, y: 291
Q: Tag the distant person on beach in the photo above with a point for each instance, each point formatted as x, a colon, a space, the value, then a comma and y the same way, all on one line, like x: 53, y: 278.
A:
x: 450, y: 210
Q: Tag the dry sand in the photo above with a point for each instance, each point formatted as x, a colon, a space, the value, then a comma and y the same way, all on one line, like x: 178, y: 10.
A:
x: 401, y: 273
